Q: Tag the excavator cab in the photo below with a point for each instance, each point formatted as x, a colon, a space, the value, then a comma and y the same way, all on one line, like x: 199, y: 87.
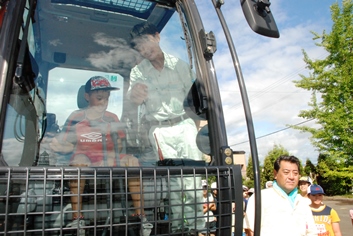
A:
x: 49, y: 50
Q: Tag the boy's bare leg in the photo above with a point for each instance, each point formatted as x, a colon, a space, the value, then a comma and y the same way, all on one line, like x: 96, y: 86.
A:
x: 134, y: 185
x: 137, y: 200
x: 76, y: 200
x: 76, y: 188
x: 136, y: 190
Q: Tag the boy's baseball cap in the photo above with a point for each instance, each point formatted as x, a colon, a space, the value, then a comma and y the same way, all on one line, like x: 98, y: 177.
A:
x: 214, y: 185
x: 269, y: 184
x: 306, y: 179
x: 98, y: 83
x: 204, y: 183
x: 316, y: 189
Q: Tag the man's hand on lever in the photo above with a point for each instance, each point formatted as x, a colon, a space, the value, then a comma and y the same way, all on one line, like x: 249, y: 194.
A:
x: 139, y: 93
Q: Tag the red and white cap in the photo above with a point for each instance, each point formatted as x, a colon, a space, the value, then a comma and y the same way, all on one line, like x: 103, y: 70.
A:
x: 98, y: 83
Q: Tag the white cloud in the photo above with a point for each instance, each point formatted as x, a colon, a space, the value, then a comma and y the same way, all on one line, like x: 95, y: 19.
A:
x: 269, y: 66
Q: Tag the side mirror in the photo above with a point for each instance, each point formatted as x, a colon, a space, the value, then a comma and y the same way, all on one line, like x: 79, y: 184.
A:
x: 203, y: 141
x: 259, y: 17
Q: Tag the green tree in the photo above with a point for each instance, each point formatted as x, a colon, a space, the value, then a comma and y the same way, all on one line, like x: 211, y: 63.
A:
x: 334, y: 175
x: 310, y: 170
x: 331, y: 83
x: 249, y: 181
x: 249, y: 169
x: 272, y: 155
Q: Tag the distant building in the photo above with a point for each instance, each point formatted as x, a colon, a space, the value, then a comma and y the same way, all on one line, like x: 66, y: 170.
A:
x: 239, y: 159
x: 43, y: 159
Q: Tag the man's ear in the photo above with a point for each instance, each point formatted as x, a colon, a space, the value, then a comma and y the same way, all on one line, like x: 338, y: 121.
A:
x: 275, y: 174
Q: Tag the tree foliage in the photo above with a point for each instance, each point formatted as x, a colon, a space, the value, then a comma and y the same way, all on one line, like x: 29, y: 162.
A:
x: 334, y: 175
x: 249, y: 169
x: 249, y: 181
x: 310, y: 170
x: 272, y: 155
x: 331, y: 84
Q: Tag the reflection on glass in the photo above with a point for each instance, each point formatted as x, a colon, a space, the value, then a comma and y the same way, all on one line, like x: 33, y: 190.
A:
x: 67, y: 58
x: 145, y: 123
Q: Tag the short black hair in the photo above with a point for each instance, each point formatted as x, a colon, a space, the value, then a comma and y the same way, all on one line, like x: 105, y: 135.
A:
x: 291, y: 159
x: 142, y: 29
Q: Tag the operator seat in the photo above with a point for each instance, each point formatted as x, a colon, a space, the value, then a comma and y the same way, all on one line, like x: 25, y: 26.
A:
x: 82, y: 103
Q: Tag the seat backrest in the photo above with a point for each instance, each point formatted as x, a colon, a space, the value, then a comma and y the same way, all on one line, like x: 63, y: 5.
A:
x: 81, y: 100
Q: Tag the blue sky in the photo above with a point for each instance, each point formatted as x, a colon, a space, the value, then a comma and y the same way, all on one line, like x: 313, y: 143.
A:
x: 269, y: 66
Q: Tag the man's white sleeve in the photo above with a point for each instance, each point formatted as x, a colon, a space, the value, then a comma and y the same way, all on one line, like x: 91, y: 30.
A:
x: 249, y: 218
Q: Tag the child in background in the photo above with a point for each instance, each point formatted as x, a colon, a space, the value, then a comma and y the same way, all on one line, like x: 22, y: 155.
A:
x: 326, y: 218
x: 304, y: 187
x: 208, y: 207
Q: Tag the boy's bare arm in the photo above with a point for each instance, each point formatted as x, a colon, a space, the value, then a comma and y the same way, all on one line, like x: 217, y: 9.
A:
x: 212, y: 206
x: 63, y: 147
x: 248, y: 232
x: 120, y: 145
x: 336, y: 229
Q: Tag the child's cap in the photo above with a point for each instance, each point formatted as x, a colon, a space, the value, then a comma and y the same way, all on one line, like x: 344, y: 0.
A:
x: 214, y: 185
x: 98, y: 83
x: 316, y: 189
x: 306, y: 179
x: 269, y: 184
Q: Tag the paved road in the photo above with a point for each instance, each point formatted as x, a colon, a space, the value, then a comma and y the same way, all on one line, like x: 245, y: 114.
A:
x: 342, y: 207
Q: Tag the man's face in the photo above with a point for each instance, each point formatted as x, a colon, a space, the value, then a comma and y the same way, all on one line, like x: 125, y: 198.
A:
x: 287, y: 176
x: 148, y: 46
x: 303, y: 186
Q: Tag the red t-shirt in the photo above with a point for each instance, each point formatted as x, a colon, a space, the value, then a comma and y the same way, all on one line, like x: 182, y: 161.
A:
x: 2, y: 13
x: 86, y: 135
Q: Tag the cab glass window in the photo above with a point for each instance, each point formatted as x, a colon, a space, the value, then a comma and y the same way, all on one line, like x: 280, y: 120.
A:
x: 68, y: 43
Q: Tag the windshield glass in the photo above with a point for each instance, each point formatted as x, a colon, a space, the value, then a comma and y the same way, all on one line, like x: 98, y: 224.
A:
x: 108, y: 85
